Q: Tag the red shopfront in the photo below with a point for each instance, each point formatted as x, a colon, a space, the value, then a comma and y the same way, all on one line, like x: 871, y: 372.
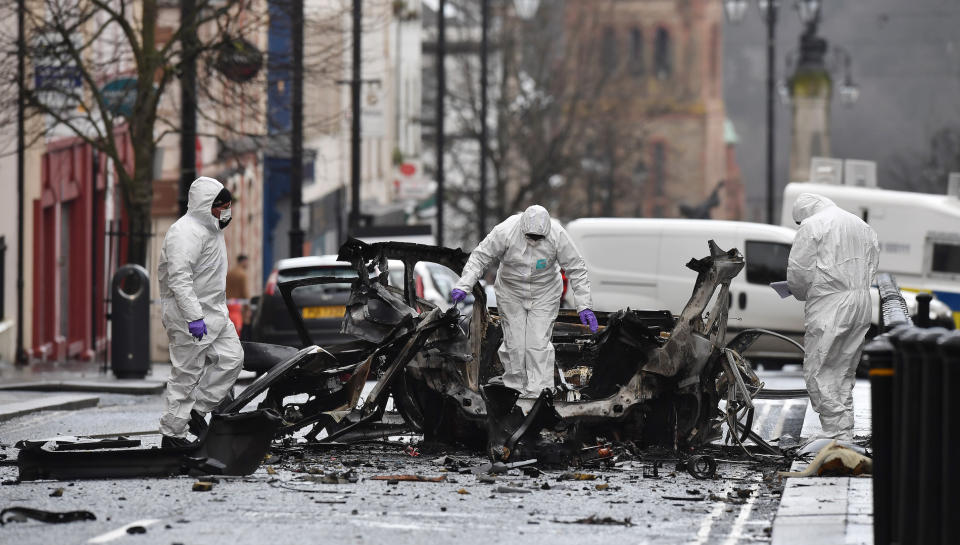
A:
x: 69, y: 235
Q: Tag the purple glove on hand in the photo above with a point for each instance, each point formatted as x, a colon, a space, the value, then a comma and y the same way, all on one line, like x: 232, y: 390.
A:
x: 589, y: 319
x: 457, y: 295
x: 198, y: 328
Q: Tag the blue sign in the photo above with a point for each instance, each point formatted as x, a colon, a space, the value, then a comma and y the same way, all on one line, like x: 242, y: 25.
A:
x: 119, y: 96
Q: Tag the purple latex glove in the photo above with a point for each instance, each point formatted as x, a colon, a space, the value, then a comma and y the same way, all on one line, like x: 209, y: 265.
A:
x: 588, y: 318
x: 457, y: 295
x: 198, y: 328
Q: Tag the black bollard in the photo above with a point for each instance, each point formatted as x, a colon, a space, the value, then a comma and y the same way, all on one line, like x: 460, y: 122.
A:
x: 896, y: 426
x: 949, y: 347
x: 908, y: 388
x: 922, y: 319
x: 878, y: 355
x: 931, y: 436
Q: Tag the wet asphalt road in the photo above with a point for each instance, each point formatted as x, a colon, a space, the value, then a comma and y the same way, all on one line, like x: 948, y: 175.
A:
x: 287, y: 502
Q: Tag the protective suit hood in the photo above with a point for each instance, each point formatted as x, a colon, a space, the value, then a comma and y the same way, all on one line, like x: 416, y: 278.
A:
x: 203, y: 191
x: 535, y: 220
x: 808, y: 204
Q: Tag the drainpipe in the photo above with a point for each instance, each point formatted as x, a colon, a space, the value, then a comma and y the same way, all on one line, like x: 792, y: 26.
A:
x: 21, y: 354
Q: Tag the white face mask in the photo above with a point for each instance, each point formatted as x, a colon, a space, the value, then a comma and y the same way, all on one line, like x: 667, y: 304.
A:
x: 225, y: 214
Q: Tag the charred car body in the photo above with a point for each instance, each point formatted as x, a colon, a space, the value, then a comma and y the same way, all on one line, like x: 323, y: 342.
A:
x: 648, y: 377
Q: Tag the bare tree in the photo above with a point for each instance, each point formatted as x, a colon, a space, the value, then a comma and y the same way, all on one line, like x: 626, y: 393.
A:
x: 559, y: 134
x: 75, y: 47
x: 927, y: 171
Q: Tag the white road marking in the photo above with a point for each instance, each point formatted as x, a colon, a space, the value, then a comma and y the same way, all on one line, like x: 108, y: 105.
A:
x: 736, y: 532
x: 121, y: 531
x: 784, y: 413
x: 703, y: 534
x: 761, y: 419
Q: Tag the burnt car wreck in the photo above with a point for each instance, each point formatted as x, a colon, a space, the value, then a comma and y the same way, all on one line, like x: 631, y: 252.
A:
x: 648, y: 377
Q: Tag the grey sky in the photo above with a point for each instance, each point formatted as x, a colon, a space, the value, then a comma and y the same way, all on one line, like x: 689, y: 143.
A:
x: 906, y: 61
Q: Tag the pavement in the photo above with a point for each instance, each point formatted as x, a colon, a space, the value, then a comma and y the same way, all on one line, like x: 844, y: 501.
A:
x: 812, y: 510
x: 72, y: 385
x: 828, y: 510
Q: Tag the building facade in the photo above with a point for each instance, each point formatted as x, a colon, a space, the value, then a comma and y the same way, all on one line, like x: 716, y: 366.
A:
x: 662, y: 141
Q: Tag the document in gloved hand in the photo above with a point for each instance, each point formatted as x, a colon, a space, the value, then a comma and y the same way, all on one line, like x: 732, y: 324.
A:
x: 782, y: 289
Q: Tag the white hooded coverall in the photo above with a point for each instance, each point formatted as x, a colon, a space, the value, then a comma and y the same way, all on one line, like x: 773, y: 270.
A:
x: 528, y: 291
x: 193, y: 275
x: 832, y: 264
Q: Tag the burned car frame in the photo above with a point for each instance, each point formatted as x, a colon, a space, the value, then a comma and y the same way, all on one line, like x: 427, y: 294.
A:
x: 654, y: 378
x: 648, y: 377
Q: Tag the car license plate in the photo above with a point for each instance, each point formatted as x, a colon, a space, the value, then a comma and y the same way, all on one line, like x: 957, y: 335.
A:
x: 313, y: 313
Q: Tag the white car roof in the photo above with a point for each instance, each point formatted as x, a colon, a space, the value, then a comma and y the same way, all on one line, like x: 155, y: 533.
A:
x: 676, y: 225
x: 310, y: 261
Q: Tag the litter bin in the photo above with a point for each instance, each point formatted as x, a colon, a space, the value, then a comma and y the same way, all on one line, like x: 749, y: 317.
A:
x: 130, y: 318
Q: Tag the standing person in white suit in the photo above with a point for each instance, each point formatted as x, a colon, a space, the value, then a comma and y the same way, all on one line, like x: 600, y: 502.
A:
x: 531, y: 249
x: 204, y: 348
x: 832, y: 264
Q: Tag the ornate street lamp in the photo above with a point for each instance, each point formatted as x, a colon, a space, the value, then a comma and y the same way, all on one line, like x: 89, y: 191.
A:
x: 809, y: 12
x: 848, y: 90
x: 810, y: 89
x: 526, y: 9
x: 735, y: 10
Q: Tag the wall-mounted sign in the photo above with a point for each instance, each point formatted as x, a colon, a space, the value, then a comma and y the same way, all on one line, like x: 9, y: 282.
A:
x: 119, y: 96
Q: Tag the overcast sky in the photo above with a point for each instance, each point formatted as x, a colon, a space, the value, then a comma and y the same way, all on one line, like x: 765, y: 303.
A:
x: 906, y: 61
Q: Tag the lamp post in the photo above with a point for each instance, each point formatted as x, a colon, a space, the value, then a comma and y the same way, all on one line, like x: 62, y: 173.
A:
x: 735, y: 11
x: 810, y: 87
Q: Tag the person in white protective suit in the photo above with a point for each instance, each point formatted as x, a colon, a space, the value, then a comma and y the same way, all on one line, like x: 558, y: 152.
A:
x: 204, y: 348
x: 832, y: 264
x: 531, y: 249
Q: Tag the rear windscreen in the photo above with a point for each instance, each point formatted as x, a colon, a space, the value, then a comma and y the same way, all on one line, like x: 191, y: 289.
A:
x: 346, y: 273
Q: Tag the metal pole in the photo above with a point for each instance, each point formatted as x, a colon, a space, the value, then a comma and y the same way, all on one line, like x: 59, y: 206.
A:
x: 188, y: 102
x: 484, y: 149
x: 441, y: 92
x: 296, y: 133
x: 353, y: 221
x: 21, y: 355
x: 93, y: 253
x: 771, y: 74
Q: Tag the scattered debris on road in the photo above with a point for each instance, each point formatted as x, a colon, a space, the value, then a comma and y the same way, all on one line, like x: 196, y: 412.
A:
x: 21, y: 514
x: 409, y: 478
x: 594, y: 519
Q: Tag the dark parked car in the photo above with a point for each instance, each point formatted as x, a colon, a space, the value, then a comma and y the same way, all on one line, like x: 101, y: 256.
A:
x: 322, y: 306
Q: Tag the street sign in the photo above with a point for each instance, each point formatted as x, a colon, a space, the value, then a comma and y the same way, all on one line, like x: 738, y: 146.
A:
x: 57, y: 79
x: 409, y: 183
x: 119, y: 96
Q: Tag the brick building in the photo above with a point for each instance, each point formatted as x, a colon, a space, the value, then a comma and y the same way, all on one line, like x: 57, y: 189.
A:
x: 660, y: 142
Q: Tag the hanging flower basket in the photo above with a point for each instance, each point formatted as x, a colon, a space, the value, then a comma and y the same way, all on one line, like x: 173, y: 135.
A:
x: 238, y: 60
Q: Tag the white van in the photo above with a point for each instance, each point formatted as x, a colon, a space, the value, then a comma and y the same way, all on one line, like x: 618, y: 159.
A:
x: 919, y: 234
x: 641, y: 264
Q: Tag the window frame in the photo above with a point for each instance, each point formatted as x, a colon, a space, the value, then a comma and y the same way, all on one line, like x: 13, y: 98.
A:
x: 746, y: 255
x: 939, y: 238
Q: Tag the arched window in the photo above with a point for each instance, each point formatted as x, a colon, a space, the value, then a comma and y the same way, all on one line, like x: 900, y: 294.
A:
x: 662, y: 54
x: 608, y: 50
x: 637, y: 66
